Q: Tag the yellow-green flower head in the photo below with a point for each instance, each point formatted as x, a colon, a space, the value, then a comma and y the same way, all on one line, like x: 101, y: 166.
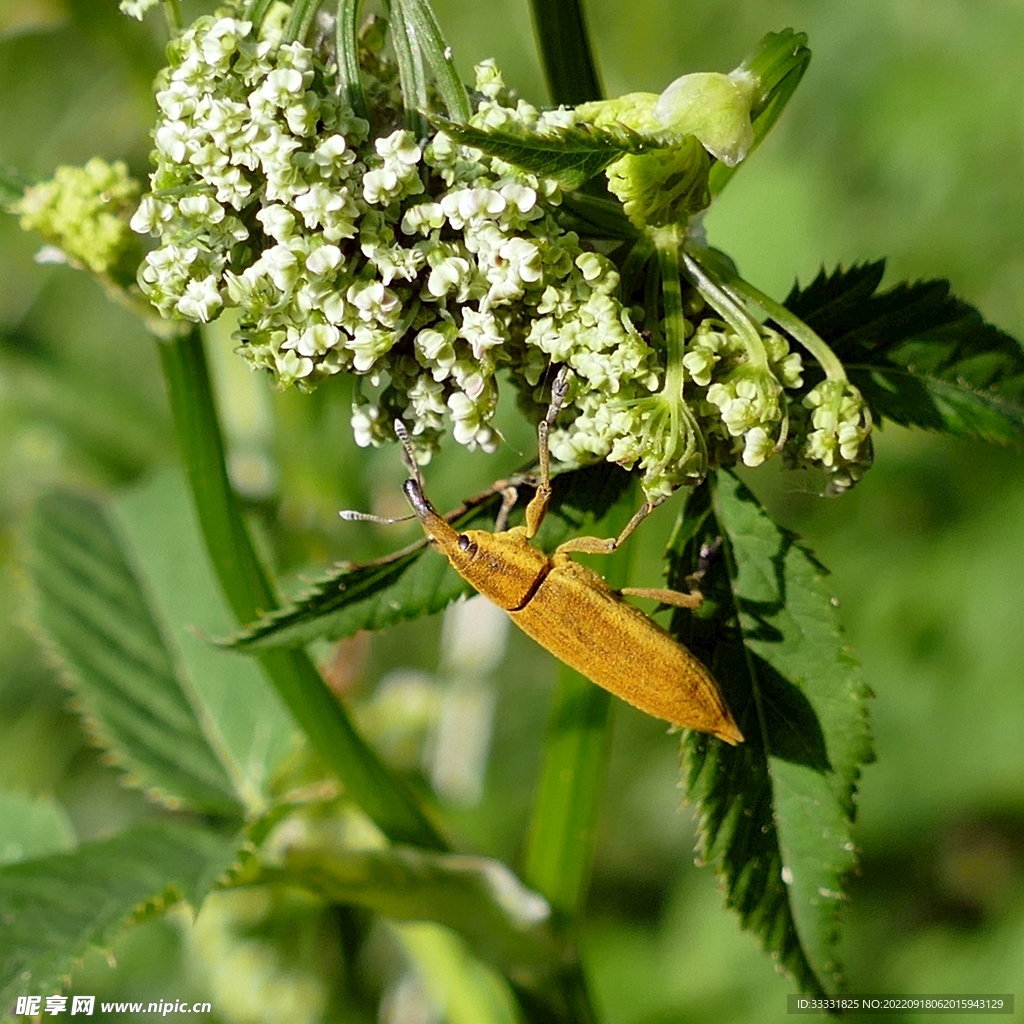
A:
x: 713, y: 107
x: 85, y: 211
x: 698, y: 116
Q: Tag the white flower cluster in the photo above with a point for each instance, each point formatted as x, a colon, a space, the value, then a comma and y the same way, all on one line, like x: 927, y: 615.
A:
x: 838, y: 434
x: 424, y: 267
x: 749, y: 399
x: 730, y: 407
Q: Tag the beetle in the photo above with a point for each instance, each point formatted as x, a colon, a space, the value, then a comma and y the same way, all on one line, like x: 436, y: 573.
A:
x: 569, y: 609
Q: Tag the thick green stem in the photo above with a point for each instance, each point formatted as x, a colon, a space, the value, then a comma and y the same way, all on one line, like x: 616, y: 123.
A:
x: 568, y: 60
x: 794, y: 327
x: 561, y: 842
x: 560, y: 848
x: 730, y: 310
x: 346, y: 44
x: 246, y: 587
x: 667, y: 241
x: 172, y: 15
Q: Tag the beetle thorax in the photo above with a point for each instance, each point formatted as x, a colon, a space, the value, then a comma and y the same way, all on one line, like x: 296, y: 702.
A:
x: 504, y: 567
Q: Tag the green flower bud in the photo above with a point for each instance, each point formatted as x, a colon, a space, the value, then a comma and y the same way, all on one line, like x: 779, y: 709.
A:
x: 85, y: 211
x: 663, y: 186
x: 713, y: 107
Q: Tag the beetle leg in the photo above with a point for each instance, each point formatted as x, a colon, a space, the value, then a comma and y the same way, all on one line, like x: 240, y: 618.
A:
x: 509, y: 496
x: 676, y: 598
x: 605, y: 546
x: 708, y: 553
x: 539, y: 502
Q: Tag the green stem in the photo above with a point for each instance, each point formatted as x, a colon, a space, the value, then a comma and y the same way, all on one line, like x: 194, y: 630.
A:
x: 172, y: 15
x: 301, y: 20
x: 256, y: 11
x: 560, y: 847
x: 569, y: 67
x: 794, y: 327
x: 412, y: 74
x: 731, y: 311
x: 248, y: 591
x: 667, y: 242
x: 346, y: 44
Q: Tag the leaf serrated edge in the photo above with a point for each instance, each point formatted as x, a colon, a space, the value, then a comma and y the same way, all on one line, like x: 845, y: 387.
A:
x: 67, y: 677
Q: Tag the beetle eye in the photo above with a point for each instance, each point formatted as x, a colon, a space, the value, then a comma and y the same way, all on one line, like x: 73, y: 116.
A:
x: 465, y: 544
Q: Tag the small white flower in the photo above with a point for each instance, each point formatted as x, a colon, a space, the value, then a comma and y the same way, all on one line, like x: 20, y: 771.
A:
x: 201, y: 301
x: 451, y: 274
x: 323, y: 260
x: 367, y: 346
x: 202, y: 208
x: 291, y: 366
x: 316, y: 340
x: 524, y: 259
x: 465, y: 204
x: 380, y: 186
x: 282, y: 86
x: 400, y: 147
x: 364, y: 424
x: 422, y: 218
x: 137, y: 8
x: 281, y: 266
x: 481, y: 330
x: 278, y: 222
x: 172, y: 138
x: 757, y: 447
x: 519, y: 197
x: 435, y: 350
x: 221, y: 40
x: 302, y: 115
x: 374, y: 302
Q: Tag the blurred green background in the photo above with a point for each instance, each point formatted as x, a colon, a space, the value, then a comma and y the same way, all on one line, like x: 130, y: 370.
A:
x: 905, y: 140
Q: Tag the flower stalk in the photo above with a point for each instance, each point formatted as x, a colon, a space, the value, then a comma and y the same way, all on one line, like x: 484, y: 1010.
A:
x: 244, y: 582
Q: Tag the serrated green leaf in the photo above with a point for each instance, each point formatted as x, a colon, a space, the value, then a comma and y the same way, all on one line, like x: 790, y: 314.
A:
x: 351, y: 598
x: 32, y: 826
x: 572, y: 156
x: 505, y: 923
x: 920, y: 356
x: 417, y: 581
x: 241, y: 715
x: 119, y: 594
x: 94, y: 612
x: 776, y: 812
x: 53, y: 909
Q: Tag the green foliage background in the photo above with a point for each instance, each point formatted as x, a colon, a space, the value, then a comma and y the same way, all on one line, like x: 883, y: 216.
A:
x: 905, y: 141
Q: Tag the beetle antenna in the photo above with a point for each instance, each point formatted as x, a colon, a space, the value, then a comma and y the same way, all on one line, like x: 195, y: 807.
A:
x: 559, y: 389
x: 351, y: 516
x: 539, y: 503
x: 410, y: 456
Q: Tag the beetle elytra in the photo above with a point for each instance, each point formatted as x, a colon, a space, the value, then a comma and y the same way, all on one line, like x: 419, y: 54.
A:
x: 570, y: 610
